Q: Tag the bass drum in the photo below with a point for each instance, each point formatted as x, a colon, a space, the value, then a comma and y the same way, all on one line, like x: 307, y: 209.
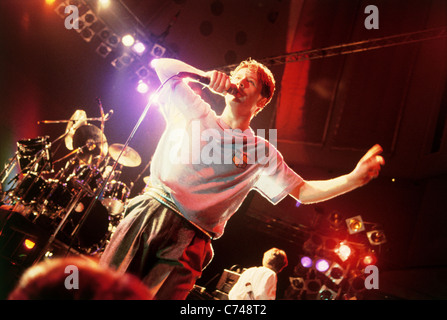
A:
x: 95, y: 227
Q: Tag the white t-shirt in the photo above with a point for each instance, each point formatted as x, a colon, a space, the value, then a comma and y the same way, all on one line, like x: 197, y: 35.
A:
x: 256, y: 283
x: 207, y: 167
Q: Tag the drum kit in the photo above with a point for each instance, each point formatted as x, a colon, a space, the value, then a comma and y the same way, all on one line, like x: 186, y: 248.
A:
x: 83, y: 201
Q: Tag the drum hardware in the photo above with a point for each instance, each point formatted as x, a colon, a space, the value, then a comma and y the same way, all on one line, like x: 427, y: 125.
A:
x: 115, y: 196
x: 145, y: 179
x: 8, y: 168
x: 63, y: 222
x: 34, y: 155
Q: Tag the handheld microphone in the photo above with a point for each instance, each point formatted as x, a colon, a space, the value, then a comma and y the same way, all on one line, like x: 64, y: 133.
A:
x: 233, y: 90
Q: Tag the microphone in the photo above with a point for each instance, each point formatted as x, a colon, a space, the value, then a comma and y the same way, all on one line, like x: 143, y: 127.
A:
x: 233, y: 90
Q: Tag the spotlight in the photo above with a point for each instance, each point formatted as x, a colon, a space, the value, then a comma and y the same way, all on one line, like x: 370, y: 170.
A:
x: 368, y: 259
x: 128, y: 40
x: 81, y: 26
x: 355, y: 224
x: 103, y: 50
x: 297, y: 283
x: 109, y: 37
x: 143, y: 72
x: 376, y: 237
x: 87, y: 34
x: 306, y: 262
x: 104, y: 3
x: 139, y: 48
x: 89, y: 18
x: 312, y: 285
x: 158, y: 51
x: 322, y: 265
x: 335, y: 273
x: 326, y: 294
x: 335, y: 221
x: 29, y: 244
x: 122, y: 61
x: 343, y: 251
x: 142, y: 87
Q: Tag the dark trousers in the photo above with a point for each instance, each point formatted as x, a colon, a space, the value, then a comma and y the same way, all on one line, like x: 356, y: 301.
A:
x: 160, y: 247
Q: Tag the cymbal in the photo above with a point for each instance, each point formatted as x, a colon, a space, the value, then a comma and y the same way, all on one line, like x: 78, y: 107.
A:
x: 91, y: 141
x: 79, y: 118
x: 129, y: 157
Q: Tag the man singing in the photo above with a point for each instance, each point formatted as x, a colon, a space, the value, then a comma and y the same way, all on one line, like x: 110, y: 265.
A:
x: 203, y: 168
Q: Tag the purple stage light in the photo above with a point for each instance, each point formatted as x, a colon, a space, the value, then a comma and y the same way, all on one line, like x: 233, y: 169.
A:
x: 322, y: 265
x: 306, y: 262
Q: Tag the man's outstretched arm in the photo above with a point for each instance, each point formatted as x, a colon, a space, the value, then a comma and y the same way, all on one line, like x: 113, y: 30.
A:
x: 367, y: 169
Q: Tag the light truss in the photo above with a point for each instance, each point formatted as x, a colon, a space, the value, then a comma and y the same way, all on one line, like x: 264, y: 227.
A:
x: 354, y: 47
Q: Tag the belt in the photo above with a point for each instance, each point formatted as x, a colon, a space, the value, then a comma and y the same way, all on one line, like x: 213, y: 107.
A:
x: 165, y: 198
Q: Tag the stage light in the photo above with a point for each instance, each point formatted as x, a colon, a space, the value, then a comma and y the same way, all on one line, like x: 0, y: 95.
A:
x: 297, y: 282
x: 122, y: 61
x: 343, y: 251
x: 139, y: 47
x: 50, y: 2
x: 89, y: 18
x: 355, y: 224
x: 312, y: 285
x: 103, y: 50
x: 104, y: 3
x: 335, y: 221
x: 335, y: 273
x: 109, y: 37
x: 306, y: 262
x: 128, y: 40
x: 322, y: 265
x: 158, y: 51
x: 326, y: 294
x: 87, y: 34
x: 376, y: 237
x: 142, y: 87
x: 143, y: 72
x: 29, y: 244
x: 369, y: 259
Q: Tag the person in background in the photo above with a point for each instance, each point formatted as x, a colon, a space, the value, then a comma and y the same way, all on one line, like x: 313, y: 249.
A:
x: 259, y: 283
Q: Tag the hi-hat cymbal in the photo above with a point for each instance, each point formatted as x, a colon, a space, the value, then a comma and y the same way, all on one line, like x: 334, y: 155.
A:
x: 79, y: 118
x: 129, y: 157
x: 91, y: 141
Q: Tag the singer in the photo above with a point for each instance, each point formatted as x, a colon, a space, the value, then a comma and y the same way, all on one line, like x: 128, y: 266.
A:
x: 166, y: 234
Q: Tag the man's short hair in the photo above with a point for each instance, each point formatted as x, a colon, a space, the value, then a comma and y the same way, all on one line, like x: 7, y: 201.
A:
x: 265, y: 76
x: 275, y: 259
